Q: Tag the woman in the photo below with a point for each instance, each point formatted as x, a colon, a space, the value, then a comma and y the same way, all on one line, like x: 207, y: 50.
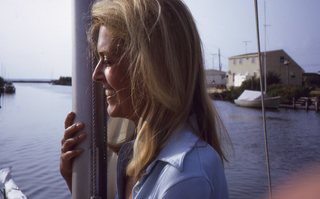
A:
x: 151, y: 66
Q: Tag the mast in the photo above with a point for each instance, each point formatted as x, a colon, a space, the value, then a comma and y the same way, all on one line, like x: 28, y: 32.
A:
x: 88, y: 104
x: 264, y: 123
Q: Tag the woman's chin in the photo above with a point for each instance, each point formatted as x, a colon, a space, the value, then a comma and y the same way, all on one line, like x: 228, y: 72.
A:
x: 113, y: 111
x: 116, y: 111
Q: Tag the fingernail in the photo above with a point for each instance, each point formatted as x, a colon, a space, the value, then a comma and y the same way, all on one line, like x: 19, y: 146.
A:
x: 79, y: 124
x: 82, y: 135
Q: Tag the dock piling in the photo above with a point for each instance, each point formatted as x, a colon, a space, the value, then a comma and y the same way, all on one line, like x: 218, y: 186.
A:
x: 294, y: 103
x: 307, y: 102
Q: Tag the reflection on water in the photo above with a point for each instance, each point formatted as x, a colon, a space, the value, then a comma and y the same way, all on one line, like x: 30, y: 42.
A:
x: 31, y: 126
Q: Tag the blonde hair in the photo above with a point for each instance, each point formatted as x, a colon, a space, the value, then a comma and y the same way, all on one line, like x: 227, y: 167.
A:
x: 161, y: 41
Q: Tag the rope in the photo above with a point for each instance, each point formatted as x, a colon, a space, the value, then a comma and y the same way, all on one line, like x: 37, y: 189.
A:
x: 94, y: 154
x: 262, y: 103
x: 93, y: 139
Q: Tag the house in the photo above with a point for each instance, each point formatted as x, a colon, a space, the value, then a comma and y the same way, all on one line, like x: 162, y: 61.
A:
x: 246, y: 66
x: 311, y: 79
x: 215, y: 78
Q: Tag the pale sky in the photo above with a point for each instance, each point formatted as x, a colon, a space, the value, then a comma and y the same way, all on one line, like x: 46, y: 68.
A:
x: 36, y: 35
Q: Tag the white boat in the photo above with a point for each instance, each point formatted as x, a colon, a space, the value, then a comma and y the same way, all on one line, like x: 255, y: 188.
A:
x: 8, y: 188
x: 252, y: 99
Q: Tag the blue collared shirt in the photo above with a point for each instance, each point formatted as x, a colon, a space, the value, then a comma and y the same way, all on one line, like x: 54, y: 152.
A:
x: 186, y: 167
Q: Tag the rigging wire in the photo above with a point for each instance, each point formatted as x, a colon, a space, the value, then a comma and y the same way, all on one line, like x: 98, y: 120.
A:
x: 93, y: 147
x: 262, y: 103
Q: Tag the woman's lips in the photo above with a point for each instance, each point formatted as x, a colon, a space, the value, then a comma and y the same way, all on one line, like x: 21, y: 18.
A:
x: 110, y: 94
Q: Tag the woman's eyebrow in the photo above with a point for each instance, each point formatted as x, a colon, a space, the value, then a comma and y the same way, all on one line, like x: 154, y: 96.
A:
x: 104, y: 54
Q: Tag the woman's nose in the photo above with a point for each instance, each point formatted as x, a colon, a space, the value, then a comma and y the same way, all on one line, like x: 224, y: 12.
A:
x: 98, y: 73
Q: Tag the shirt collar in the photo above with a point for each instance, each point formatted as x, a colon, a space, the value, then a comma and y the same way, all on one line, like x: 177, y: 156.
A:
x: 179, y: 144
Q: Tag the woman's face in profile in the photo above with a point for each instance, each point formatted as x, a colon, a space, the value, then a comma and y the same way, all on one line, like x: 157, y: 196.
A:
x: 113, y: 74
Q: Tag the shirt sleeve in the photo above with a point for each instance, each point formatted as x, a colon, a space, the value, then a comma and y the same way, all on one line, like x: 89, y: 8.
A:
x: 192, y: 188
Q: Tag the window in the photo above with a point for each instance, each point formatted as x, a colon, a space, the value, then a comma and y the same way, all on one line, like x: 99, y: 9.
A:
x: 234, y: 61
x: 281, y: 59
x: 240, y: 61
x: 253, y: 60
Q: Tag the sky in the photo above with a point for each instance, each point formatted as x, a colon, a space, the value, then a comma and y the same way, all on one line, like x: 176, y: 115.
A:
x: 36, y: 36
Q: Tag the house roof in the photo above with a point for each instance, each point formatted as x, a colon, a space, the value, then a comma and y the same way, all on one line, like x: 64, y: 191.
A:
x: 214, y: 72
x: 253, y: 54
x: 268, y: 52
x: 311, y: 74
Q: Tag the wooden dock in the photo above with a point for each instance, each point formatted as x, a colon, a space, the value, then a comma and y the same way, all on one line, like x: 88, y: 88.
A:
x: 307, y: 103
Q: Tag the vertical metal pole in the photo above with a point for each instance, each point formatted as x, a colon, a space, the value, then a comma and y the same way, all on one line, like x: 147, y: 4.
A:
x: 262, y: 102
x: 81, y: 99
x: 87, y: 100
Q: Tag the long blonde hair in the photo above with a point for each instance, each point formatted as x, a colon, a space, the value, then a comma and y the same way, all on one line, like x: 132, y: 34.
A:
x: 161, y: 40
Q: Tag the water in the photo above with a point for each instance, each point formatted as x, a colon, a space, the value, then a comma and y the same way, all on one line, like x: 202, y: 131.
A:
x: 294, y: 143
x: 31, y: 126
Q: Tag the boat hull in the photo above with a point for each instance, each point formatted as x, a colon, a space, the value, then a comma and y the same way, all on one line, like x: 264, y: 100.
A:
x: 269, y: 102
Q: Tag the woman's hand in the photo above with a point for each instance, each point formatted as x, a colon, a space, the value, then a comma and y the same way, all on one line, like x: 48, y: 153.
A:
x: 70, y: 140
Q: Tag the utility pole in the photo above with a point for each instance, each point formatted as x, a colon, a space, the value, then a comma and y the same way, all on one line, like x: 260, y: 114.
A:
x: 213, y: 54
x: 246, y: 44
x: 219, y: 59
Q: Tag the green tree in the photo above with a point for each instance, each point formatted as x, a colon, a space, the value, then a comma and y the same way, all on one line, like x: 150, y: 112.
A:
x: 251, y: 84
x: 273, y: 78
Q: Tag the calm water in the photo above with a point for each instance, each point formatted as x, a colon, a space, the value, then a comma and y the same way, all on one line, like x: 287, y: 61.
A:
x: 31, y: 126
x: 294, y: 143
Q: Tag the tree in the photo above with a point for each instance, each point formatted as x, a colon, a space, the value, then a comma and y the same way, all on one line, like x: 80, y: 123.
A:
x: 273, y: 78
x: 1, y: 82
x: 251, y: 84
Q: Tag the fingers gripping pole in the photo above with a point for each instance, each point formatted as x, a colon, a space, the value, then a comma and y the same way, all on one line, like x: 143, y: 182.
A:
x: 88, y: 180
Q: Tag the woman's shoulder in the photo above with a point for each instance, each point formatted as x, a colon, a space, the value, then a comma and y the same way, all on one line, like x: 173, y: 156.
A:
x: 190, y: 155
x: 203, y: 161
x: 185, y: 168
x: 204, y: 155
x: 201, y: 174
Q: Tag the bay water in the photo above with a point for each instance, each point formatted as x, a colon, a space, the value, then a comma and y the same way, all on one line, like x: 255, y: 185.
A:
x: 31, y: 127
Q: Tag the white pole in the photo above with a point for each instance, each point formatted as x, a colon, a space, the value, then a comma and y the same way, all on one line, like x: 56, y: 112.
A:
x: 87, y: 102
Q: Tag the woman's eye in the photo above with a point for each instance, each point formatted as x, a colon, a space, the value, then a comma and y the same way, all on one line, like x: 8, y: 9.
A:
x: 106, y: 61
